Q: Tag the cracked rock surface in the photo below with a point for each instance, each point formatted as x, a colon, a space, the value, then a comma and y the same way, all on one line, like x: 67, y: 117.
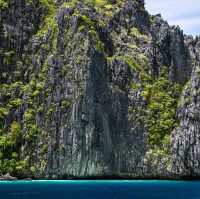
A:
x: 79, y: 86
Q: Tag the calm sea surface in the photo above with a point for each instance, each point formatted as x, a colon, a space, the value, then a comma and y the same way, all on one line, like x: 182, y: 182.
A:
x: 99, y: 190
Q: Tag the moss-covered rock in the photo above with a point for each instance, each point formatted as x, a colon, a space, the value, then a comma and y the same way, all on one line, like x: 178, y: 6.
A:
x: 90, y: 88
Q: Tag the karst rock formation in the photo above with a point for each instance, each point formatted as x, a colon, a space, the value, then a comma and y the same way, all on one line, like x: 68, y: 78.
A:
x: 96, y: 88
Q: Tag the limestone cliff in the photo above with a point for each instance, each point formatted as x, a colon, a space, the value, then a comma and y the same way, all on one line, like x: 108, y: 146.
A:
x: 96, y: 88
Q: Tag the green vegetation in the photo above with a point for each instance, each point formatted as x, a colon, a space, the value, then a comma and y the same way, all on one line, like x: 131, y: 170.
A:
x: 161, y: 96
x: 26, y: 98
x: 9, y: 151
x: 65, y: 104
x: 16, y: 94
x: 85, y: 21
x: 132, y: 63
x: 15, y: 132
x: 3, y: 112
x: 159, y: 115
x: 137, y: 34
x: 106, y: 8
x: 100, y: 3
x: 9, y: 57
x: 162, y: 100
x: 3, y: 4
x: 49, y: 19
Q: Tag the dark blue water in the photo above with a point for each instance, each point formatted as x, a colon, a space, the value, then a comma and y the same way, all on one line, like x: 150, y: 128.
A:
x: 99, y: 190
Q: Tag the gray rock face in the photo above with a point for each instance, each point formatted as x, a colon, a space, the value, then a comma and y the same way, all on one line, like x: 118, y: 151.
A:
x: 185, y: 139
x: 17, y: 25
x: 169, y: 49
x: 80, y: 77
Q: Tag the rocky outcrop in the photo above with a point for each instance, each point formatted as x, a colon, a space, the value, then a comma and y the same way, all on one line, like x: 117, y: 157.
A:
x: 78, y: 85
x: 17, y: 24
x: 170, y: 49
x: 7, y: 177
x: 185, y: 139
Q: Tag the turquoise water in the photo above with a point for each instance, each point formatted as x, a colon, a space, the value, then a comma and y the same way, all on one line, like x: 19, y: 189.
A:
x: 100, y: 190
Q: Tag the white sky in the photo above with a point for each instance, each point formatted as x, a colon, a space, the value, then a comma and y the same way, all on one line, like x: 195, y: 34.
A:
x: 185, y: 13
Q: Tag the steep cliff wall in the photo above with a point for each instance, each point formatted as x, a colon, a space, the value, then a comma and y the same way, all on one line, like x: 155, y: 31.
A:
x: 96, y: 88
